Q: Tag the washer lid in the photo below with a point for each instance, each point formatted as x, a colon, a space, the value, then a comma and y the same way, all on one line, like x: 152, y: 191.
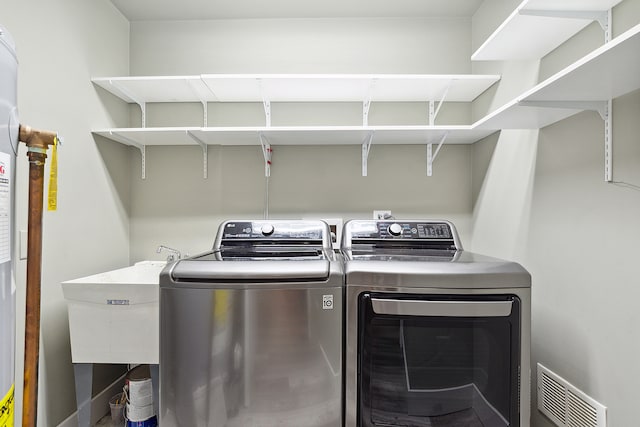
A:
x: 194, y: 270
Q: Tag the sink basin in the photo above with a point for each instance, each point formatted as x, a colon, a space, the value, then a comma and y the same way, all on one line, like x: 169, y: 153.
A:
x: 114, y: 315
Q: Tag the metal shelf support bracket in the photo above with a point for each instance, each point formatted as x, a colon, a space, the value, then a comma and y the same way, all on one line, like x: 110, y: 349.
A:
x: 431, y: 156
x: 267, y: 112
x: 205, y: 153
x: 205, y: 113
x: 366, y: 104
x: 266, y: 152
x: 141, y: 147
x: 603, y: 108
x: 602, y: 16
x: 366, y: 147
x: 433, y: 110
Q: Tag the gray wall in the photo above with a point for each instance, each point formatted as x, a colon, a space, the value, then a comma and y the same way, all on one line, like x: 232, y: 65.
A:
x: 175, y: 206
x: 540, y: 198
x: 61, y: 45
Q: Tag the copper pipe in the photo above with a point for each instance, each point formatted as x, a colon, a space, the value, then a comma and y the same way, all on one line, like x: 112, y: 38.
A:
x: 37, y: 144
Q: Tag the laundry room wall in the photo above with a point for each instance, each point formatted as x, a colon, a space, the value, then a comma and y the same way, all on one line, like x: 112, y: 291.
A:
x: 540, y: 198
x: 60, y: 46
x: 175, y: 206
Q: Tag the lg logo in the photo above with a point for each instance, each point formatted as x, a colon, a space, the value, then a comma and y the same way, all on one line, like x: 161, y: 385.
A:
x: 327, y: 302
x: 2, y: 169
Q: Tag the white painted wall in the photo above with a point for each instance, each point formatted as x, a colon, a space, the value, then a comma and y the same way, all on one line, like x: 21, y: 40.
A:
x: 175, y: 206
x: 60, y: 45
x: 545, y: 194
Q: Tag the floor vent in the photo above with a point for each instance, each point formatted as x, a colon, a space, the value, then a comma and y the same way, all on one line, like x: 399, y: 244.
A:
x: 565, y: 405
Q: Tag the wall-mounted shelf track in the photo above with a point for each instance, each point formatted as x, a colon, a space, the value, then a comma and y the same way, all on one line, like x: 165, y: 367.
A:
x: 537, y: 27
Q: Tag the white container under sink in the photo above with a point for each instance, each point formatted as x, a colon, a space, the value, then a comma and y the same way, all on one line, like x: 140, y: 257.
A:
x: 114, y: 316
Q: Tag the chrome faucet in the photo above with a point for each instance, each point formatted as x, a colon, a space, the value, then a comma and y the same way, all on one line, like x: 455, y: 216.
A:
x: 174, y: 254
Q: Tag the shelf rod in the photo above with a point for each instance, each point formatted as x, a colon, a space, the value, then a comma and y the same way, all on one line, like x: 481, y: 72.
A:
x: 431, y: 156
x: 267, y: 153
x: 141, y: 147
x: 366, y: 147
x: 205, y: 152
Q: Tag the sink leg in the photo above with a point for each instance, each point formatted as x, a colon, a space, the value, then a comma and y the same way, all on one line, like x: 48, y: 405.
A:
x: 83, y: 373
x: 155, y: 382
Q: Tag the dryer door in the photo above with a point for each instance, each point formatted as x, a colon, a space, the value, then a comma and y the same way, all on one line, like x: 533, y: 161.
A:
x: 438, y: 360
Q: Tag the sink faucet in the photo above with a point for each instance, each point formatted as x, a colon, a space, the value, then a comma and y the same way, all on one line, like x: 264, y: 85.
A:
x: 174, y: 254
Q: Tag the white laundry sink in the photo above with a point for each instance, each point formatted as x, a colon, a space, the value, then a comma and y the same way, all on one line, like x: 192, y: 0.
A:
x: 114, y: 316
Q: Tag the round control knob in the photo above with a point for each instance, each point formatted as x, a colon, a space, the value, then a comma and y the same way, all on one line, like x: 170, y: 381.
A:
x: 267, y: 229
x: 395, y: 229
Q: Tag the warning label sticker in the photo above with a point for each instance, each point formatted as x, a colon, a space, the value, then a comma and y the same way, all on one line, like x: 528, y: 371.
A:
x: 6, y: 409
x: 5, y: 208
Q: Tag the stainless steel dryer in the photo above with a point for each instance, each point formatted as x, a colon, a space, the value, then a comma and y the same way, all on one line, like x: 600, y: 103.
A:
x: 435, y: 335
x: 251, y: 332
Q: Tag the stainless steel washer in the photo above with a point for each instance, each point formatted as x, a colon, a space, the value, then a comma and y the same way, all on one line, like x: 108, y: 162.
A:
x: 251, y: 332
x: 435, y: 335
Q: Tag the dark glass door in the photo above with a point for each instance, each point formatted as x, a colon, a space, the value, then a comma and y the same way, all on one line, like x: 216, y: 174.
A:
x: 441, y: 361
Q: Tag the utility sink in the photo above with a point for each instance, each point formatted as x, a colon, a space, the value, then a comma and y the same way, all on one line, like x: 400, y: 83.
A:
x: 114, y: 316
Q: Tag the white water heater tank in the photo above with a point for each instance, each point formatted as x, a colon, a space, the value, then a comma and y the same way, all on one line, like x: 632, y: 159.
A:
x: 9, y: 128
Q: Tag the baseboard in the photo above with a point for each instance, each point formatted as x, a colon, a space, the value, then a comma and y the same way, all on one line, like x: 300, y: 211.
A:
x: 99, y: 404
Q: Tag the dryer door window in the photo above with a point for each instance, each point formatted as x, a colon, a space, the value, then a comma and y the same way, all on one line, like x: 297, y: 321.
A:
x: 433, y: 360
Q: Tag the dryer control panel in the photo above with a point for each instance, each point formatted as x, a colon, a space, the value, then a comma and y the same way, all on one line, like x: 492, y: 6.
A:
x: 409, y: 232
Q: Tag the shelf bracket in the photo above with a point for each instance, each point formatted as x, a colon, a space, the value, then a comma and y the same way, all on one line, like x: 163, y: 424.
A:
x: 366, y: 104
x: 366, y: 147
x: 431, y: 156
x: 141, y: 147
x: 602, y: 16
x: 266, y: 103
x: 143, y: 109
x: 267, y: 111
x: 266, y: 152
x: 142, y: 105
x: 205, y: 153
x: 205, y: 113
x: 365, y: 112
x: 433, y: 110
x: 603, y: 108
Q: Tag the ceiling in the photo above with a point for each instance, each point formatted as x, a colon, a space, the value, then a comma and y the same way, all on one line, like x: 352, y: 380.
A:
x: 170, y: 10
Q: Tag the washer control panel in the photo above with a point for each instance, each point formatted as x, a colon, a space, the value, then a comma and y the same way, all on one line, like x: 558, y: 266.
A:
x: 274, y: 230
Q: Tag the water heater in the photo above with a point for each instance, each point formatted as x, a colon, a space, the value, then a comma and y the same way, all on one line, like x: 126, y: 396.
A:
x: 9, y: 128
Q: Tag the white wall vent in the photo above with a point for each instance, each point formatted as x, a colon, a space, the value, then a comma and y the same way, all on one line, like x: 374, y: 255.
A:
x: 565, y: 405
